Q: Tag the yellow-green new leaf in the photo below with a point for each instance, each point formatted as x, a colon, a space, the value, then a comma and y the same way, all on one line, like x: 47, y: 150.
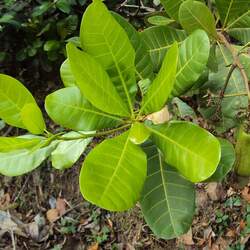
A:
x: 69, y: 108
x: 8, y: 144
x: 139, y: 133
x: 160, y: 89
x: 103, y: 38
x: 189, y: 148
x: 113, y: 174
x: 167, y: 200
x: 95, y: 83
x: 13, y: 97
x: 193, y: 57
x: 32, y: 119
x: 67, y: 75
x: 68, y: 152
x: 196, y: 15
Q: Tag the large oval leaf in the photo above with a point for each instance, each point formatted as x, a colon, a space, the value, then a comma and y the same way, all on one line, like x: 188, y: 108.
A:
x: 196, y: 15
x: 32, y: 119
x: 113, y: 174
x: 192, y: 150
x: 143, y: 63
x: 13, y: 97
x: 160, y: 89
x: 230, y: 10
x: 158, y: 40
x: 69, y: 108
x: 193, y: 57
x: 68, y: 152
x: 95, y: 83
x: 102, y: 37
x: 226, y: 162
x: 167, y: 200
x: 22, y: 161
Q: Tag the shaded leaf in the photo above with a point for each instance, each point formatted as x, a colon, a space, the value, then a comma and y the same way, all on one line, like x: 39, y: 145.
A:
x: 167, y: 200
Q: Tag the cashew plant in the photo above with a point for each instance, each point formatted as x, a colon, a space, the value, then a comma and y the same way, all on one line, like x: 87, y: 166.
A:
x: 112, y: 92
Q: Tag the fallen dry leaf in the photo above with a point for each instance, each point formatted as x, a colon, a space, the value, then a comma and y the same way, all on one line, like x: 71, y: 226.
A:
x: 214, y: 191
x: 52, y: 215
x: 245, y: 193
x: 61, y: 206
x: 187, y: 239
x: 95, y: 246
x: 230, y: 233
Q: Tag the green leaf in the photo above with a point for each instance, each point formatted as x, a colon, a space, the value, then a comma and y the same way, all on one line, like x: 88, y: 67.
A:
x: 103, y: 38
x: 167, y: 200
x: 14, y: 143
x: 70, y: 109
x: 193, y: 57
x: 159, y: 40
x: 230, y: 10
x: 226, y: 162
x: 161, y: 87
x: 113, y: 174
x: 196, y: 15
x: 242, y: 149
x: 22, y: 161
x: 13, y: 97
x: 172, y: 7
x: 68, y: 152
x: 192, y: 150
x: 51, y: 45
x: 143, y: 86
x: 139, y: 133
x: 143, y: 63
x: 67, y: 75
x: 159, y: 20
x: 64, y: 6
x: 32, y: 119
x: 232, y: 103
x: 95, y: 83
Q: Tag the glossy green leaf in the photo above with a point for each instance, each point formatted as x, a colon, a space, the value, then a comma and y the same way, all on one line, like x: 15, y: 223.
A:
x: 160, y: 89
x: 143, y: 63
x: 70, y: 109
x: 143, y: 86
x: 68, y: 152
x: 159, y: 20
x: 226, y: 162
x: 193, y: 57
x: 22, y: 161
x: 158, y: 40
x: 13, y: 97
x: 230, y: 10
x: 32, y: 119
x: 196, y: 15
x: 172, y: 7
x: 67, y: 75
x: 242, y: 148
x: 138, y: 133
x: 167, y: 200
x: 192, y: 150
x: 14, y: 143
x: 113, y: 174
x: 103, y: 38
x: 232, y: 103
x: 95, y: 83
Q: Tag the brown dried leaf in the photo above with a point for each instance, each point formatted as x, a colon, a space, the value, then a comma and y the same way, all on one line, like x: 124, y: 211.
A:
x: 214, y: 191
x: 61, y: 206
x: 159, y: 117
x: 52, y: 215
x: 245, y: 193
x: 95, y: 246
x: 187, y: 239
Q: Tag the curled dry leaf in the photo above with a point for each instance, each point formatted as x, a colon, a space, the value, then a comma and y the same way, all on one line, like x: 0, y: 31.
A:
x: 52, y: 215
x: 95, y: 246
x: 187, y: 239
x: 159, y: 117
x: 214, y: 191
x: 61, y: 206
x: 245, y: 193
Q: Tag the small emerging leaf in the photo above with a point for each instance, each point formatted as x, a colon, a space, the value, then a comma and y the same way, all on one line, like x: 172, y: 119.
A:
x: 139, y: 133
x: 32, y: 119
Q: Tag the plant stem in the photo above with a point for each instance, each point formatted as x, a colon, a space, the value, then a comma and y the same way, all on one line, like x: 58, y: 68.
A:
x: 99, y: 134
